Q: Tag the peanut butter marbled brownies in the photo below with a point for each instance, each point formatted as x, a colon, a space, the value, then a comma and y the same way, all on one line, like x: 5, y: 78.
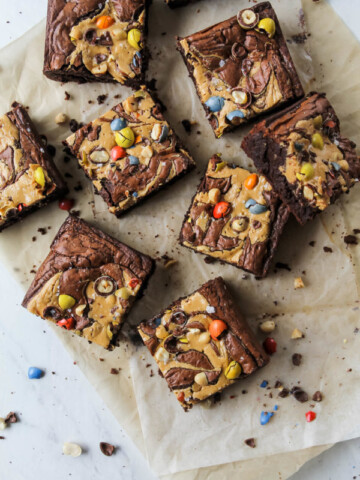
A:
x: 28, y: 176
x: 88, y: 282
x: 96, y: 40
x: 130, y: 152
x: 202, y: 343
x: 303, y: 154
x: 236, y: 217
x: 241, y: 67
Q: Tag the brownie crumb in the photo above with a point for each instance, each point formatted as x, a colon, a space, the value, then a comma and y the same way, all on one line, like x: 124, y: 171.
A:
x: 317, y: 397
x: 356, y: 231
x: 114, y: 371
x: 11, y: 418
x: 209, y: 260
x: 283, y: 266
x: 296, y: 359
x: 101, y: 99
x: 187, y: 125
x: 327, y: 250
x: 73, y: 125
x: 312, y: 243
x: 299, y: 394
x: 67, y: 95
x: 2, y: 438
x: 285, y: 392
x: 217, y: 397
x: 51, y: 150
x: 107, y: 449
x: 42, y: 230
x: 250, y: 442
x: 350, y: 240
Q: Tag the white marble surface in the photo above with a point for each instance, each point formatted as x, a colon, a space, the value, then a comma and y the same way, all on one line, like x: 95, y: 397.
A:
x: 63, y: 406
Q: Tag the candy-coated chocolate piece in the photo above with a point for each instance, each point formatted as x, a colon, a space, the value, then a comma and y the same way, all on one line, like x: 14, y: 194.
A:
x: 66, y: 301
x: 267, y: 25
x: 133, y: 160
x: 215, y: 103
x: 310, y: 416
x: 216, y: 328
x: 105, y: 21
x: 117, y: 152
x: 221, y: 209
x: 40, y: 177
x: 66, y: 204
x: 317, y: 141
x: 35, y: 373
x: 118, y: 124
x: 134, y: 282
x: 235, y: 116
x: 270, y: 345
x: 67, y: 323
x: 134, y: 37
x: 258, y: 209
x: 233, y: 371
x: 125, y: 138
x: 251, y: 181
x: 265, y: 417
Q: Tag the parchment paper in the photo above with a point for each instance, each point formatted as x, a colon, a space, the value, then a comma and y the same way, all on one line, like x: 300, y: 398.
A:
x: 330, y: 278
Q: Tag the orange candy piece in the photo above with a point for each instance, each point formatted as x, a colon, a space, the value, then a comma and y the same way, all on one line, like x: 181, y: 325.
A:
x: 216, y: 328
x: 221, y: 209
x: 251, y: 181
x: 105, y: 21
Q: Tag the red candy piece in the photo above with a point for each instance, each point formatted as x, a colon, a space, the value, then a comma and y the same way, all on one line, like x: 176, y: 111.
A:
x: 133, y: 282
x: 221, y: 209
x: 216, y: 328
x: 270, y: 345
x: 310, y: 416
x: 330, y: 124
x: 66, y: 204
x: 67, y: 323
x: 118, y: 152
x: 21, y: 206
x: 181, y: 397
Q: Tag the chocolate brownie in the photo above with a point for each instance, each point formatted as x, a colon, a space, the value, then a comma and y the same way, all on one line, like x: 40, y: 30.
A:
x: 241, y: 67
x: 96, y: 40
x: 236, y: 217
x: 302, y: 153
x: 202, y: 343
x: 88, y: 282
x: 28, y: 176
x: 130, y: 152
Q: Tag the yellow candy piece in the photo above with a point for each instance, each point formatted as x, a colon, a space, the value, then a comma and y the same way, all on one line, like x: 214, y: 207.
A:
x: 39, y: 177
x: 220, y: 166
x: 307, y: 170
x: 183, y: 340
x: 318, y: 121
x: 317, y: 141
x: 123, y: 293
x: 125, y: 138
x: 109, y: 332
x: 134, y: 37
x: 66, y: 301
x: 233, y: 370
x: 268, y: 25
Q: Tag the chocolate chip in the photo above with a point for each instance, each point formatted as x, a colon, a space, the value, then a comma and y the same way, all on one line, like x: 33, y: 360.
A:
x: 101, y: 99
x: 296, y: 359
x: 350, y: 240
x: 107, y: 449
x: 114, y: 371
x: 11, y: 418
x: 317, y: 397
x: 250, y: 442
x: 299, y: 394
x: 327, y: 250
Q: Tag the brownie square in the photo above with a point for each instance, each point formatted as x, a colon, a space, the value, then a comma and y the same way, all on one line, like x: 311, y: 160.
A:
x: 96, y: 41
x: 241, y: 70
x: 235, y: 216
x: 130, y: 152
x: 302, y: 153
x: 202, y: 343
x: 28, y: 176
x: 88, y: 282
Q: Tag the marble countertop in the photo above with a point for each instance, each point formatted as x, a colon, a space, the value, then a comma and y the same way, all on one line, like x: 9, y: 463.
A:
x: 63, y: 406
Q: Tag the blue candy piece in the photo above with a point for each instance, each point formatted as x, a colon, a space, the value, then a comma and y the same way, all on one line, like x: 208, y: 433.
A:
x: 257, y: 209
x: 336, y: 166
x: 35, y: 372
x: 275, y: 408
x: 136, y: 59
x: 265, y: 417
x: 158, y: 321
x: 250, y: 203
x: 215, y: 104
x: 118, y: 124
x: 234, y: 115
x: 133, y: 160
x: 164, y: 133
x: 264, y: 384
x: 135, y: 195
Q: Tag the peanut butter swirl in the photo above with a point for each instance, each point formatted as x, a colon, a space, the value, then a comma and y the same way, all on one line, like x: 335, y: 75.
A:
x: 88, y: 282
x: 196, y: 364
x: 159, y: 157
x: 227, y: 59
x: 245, y: 235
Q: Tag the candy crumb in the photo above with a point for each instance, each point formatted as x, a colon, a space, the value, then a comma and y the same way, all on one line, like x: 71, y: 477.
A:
x: 61, y: 118
x: 298, y: 283
x: 268, y: 326
x: 296, y: 333
x: 72, y: 449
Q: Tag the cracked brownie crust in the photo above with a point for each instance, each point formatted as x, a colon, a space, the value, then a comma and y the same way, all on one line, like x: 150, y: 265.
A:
x: 303, y: 154
x: 28, y: 176
x: 241, y: 72
x: 151, y: 155
x: 88, y: 282
x: 235, y: 216
x: 92, y: 40
x: 202, y: 343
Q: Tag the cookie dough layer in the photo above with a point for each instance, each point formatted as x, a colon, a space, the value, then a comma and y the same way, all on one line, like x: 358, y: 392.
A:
x: 195, y: 364
x: 154, y: 159
x: 88, y: 282
x: 304, y: 156
x: 247, y: 234
x: 226, y: 59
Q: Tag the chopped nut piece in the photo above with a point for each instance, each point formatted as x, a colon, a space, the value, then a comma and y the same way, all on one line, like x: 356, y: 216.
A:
x: 268, y: 326
x: 298, y: 283
x: 296, y: 333
x: 61, y: 118
x: 72, y: 449
x: 107, y: 449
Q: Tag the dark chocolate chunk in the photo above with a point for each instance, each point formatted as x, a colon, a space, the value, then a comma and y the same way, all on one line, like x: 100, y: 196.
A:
x: 107, y: 449
x: 296, y: 359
